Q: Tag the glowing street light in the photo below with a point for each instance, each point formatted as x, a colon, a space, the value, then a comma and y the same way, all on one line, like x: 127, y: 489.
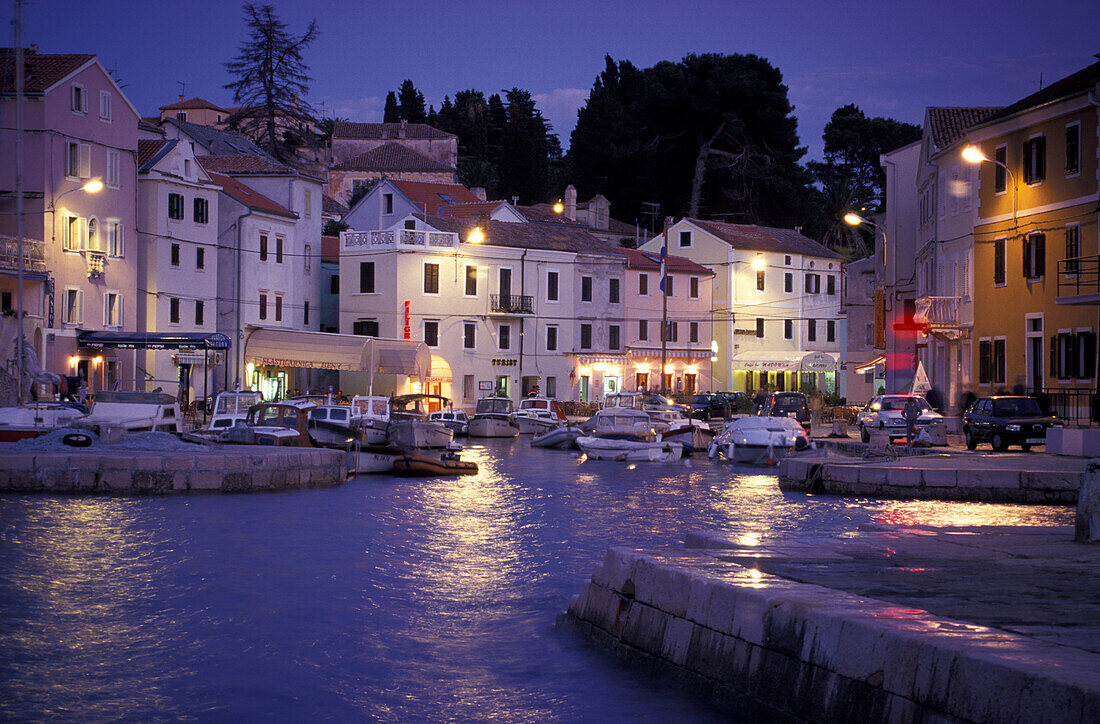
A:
x: 476, y: 236
x: 559, y: 207
x: 973, y: 154
x: 853, y: 219
x: 758, y: 263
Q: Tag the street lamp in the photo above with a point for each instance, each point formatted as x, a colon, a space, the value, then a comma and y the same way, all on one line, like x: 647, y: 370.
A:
x: 476, y: 236
x: 92, y: 186
x: 973, y: 154
x: 559, y: 207
x: 854, y: 219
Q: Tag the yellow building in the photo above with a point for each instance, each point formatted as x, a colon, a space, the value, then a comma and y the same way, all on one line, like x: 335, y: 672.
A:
x: 1036, y: 264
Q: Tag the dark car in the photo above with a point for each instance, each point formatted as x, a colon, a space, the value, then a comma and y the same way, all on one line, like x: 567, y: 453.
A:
x: 788, y: 404
x: 1007, y: 420
x: 704, y: 407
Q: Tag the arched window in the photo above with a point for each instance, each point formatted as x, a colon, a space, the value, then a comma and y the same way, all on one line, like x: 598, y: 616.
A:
x: 93, y: 235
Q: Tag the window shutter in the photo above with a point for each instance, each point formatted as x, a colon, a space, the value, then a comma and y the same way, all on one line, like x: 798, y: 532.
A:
x: 1055, y: 370
x: 1086, y: 342
x: 1040, y: 150
x: 1040, y: 241
x: 1026, y: 247
x: 1027, y: 162
x: 1071, y: 356
x: 83, y: 243
x: 80, y: 306
x: 85, y: 160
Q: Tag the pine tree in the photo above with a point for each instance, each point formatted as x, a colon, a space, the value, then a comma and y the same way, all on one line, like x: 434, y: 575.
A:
x: 412, y: 103
x: 392, y: 114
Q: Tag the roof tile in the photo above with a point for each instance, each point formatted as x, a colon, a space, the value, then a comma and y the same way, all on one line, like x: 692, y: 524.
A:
x: 948, y: 124
x: 764, y: 238
x: 243, y: 165
x: 192, y: 103
x: 249, y: 197
x: 391, y: 157
x: 526, y: 236
x: 40, y: 70
x: 349, y: 129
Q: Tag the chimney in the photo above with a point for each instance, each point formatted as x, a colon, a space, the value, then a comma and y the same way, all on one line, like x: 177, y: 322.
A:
x: 33, y: 49
x: 479, y: 191
x: 180, y: 99
x: 404, y: 131
x: 515, y: 201
x: 571, y: 202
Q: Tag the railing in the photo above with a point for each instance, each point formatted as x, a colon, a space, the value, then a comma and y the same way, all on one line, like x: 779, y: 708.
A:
x: 1074, y: 405
x: 96, y: 260
x: 34, y: 254
x: 940, y: 311
x: 1079, y: 276
x: 511, y: 303
x: 398, y: 238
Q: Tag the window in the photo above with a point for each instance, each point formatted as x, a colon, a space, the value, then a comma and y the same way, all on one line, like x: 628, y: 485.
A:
x: 74, y: 306
x: 613, y: 291
x: 671, y: 332
x: 551, y: 338
x: 78, y: 160
x: 199, y: 309
x: 788, y: 329
x: 278, y: 308
x: 693, y: 287
x: 504, y: 336
x: 174, y: 255
x: 1073, y: 248
x: 308, y: 204
x: 365, y: 328
x: 668, y: 285
x: 1000, y: 173
x: 759, y: 326
x: 693, y: 332
x: 187, y: 168
x: 586, y: 336
x: 73, y: 231
x: 305, y: 312
x: 431, y: 333
x: 93, y: 235
x: 175, y: 207
x: 1034, y: 256
x: 613, y: 336
x: 263, y: 247
x: 551, y: 387
x: 643, y: 285
x: 307, y: 257
x: 1035, y: 160
x: 788, y: 282
x: 181, y: 115
x: 79, y: 99
x: 813, y: 284
x: 278, y: 250
x: 112, y: 309
x: 200, y: 258
x: 830, y: 285
x: 105, y: 105
x: 643, y: 330
x: 174, y: 310
x: 467, y: 387
x: 830, y: 330
x: 999, y: 274
x: 551, y: 286
x: 334, y: 284
x: 112, y: 168
x: 469, y: 335
x: 685, y: 239
x: 471, y: 281
x: 869, y: 335
x: 586, y: 289
x: 114, y: 238
x: 263, y: 306
x: 811, y: 330
x: 985, y: 361
x: 1073, y: 149
x: 760, y: 280
x: 999, y: 361
x: 410, y: 224
x: 366, y: 277
x: 431, y: 278
x: 387, y: 203
x: 787, y: 259
x: 201, y: 210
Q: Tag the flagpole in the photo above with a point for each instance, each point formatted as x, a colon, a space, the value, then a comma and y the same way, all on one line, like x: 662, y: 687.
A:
x: 664, y: 307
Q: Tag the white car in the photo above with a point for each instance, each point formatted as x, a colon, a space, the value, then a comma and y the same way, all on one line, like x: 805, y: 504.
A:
x: 884, y: 412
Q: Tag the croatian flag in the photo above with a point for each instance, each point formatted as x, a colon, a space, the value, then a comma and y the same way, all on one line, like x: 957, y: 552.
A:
x: 664, y: 253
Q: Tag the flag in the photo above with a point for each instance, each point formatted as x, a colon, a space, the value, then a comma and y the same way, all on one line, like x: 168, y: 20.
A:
x: 664, y: 253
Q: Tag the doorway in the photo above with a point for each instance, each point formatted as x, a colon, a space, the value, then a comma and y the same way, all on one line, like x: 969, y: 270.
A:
x: 1033, y: 330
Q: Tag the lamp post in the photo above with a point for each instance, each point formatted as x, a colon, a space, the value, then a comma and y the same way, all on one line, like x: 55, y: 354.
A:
x: 975, y: 155
x: 853, y: 219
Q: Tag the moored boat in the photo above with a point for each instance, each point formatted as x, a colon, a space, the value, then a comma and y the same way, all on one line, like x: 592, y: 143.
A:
x: 409, y: 426
x: 759, y: 439
x: 417, y: 464
x: 456, y: 420
x: 229, y: 409
x: 371, y: 413
x: 537, y: 415
x: 559, y: 438
x: 626, y: 435
x: 134, y: 412
x: 37, y: 418
x: 493, y: 418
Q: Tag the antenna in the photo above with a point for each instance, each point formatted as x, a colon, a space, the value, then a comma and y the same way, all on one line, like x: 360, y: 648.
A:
x: 183, y: 87
x: 1040, y: 80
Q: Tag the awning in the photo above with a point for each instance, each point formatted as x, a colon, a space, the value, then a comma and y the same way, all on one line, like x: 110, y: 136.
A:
x: 327, y: 351
x: 441, y: 371
x: 670, y: 353
x: 608, y: 359
x: 771, y: 361
x: 153, y: 340
x: 199, y: 358
x: 871, y: 365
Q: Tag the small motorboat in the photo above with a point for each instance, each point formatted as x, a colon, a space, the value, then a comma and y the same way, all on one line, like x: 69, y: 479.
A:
x: 493, y: 418
x: 409, y: 426
x: 559, y: 438
x: 626, y: 434
x: 229, y: 408
x: 373, y: 458
x: 759, y: 439
x: 537, y: 415
x: 418, y: 464
x: 37, y: 418
x: 134, y: 412
x: 456, y: 420
x: 371, y: 413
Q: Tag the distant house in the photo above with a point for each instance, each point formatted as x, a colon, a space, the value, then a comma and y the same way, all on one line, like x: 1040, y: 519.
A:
x: 392, y: 200
x: 390, y: 160
x: 195, y: 110
x: 594, y: 216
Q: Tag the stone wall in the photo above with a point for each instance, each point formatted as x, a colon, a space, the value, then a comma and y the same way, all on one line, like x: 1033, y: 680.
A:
x: 229, y: 469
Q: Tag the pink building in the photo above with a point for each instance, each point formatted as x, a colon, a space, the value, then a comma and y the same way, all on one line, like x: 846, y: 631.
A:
x: 80, y: 250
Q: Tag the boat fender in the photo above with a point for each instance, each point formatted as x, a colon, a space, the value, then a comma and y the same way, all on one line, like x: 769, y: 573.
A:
x: 713, y: 450
x: 77, y: 439
x: 800, y: 443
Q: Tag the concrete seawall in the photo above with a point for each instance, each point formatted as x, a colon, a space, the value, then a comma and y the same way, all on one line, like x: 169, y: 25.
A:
x: 225, y: 469
x: 766, y: 646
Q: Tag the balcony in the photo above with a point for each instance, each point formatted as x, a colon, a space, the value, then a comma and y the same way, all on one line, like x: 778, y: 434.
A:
x: 34, y: 255
x: 96, y: 261
x: 942, y: 314
x: 511, y: 304
x: 397, y: 239
x: 1079, y: 281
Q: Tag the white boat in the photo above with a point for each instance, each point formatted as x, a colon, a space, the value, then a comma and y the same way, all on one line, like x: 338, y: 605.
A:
x: 229, y: 408
x: 409, y: 425
x: 759, y: 439
x: 37, y: 418
x: 493, y: 418
x: 374, y: 458
x: 538, y: 415
x: 457, y: 420
x: 135, y: 412
x: 563, y: 437
x: 669, y: 419
x: 626, y: 434
x: 372, y: 414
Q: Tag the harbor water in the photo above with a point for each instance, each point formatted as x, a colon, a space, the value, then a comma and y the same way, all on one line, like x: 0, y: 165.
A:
x: 386, y: 599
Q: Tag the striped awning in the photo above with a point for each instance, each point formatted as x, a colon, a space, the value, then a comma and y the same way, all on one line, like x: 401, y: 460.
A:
x: 670, y: 353
x: 871, y: 365
x: 609, y: 359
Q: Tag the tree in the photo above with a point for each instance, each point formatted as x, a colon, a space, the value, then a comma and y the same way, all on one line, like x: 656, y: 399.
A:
x: 392, y: 114
x: 411, y: 102
x: 271, y: 80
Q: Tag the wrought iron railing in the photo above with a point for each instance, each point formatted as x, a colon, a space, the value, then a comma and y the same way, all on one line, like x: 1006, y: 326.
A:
x: 399, y: 238
x: 511, y: 303
x: 1074, y: 405
x: 1077, y: 276
x: 34, y: 254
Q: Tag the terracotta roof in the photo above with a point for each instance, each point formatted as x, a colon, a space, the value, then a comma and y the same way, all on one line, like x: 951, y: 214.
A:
x: 192, y: 103
x: 652, y: 261
x: 348, y: 129
x: 431, y: 197
x: 392, y: 157
x: 330, y: 248
x: 219, y: 142
x: 471, y: 210
x: 526, y: 236
x: 243, y: 165
x: 250, y: 198
x: 948, y: 125
x: 545, y: 214
x: 1079, y: 82
x: 151, y: 151
x: 764, y: 238
x: 330, y: 205
x: 40, y: 70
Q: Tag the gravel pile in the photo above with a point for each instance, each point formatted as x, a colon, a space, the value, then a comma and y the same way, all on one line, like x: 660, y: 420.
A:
x: 136, y: 441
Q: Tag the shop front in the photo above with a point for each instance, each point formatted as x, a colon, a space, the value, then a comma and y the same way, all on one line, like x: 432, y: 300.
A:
x: 686, y: 371
x: 595, y: 376
x: 785, y: 371
x: 100, y: 357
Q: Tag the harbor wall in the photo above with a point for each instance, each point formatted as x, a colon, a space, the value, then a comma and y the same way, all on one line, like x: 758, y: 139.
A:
x: 765, y: 647
x: 227, y: 469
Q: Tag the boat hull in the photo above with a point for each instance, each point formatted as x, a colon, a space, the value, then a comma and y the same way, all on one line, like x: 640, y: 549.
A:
x: 373, y: 459
x: 597, y: 448
x: 420, y: 434
x: 420, y: 465
x: 493, y: 427
x: 561, y: 438
x: 535, y: 425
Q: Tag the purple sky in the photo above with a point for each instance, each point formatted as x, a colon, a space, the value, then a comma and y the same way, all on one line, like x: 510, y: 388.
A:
x: 890, y: 58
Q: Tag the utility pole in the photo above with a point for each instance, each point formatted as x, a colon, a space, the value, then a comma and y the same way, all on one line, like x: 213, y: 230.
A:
x: 17, y: 22
x: 664, y: 307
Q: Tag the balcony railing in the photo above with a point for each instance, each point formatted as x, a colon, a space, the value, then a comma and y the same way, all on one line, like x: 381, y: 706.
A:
x: 34, y: 254
x: 399, y: 239
x: 96, y: 260
x: 1079, y: 276
x: 939, y: 311
x: 511, y: 303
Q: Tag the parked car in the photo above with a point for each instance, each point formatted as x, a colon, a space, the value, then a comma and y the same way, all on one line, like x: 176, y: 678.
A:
x: 1007, y: 420
x: 704, y: 406
x: 884, y: 412
x: 788, y: 404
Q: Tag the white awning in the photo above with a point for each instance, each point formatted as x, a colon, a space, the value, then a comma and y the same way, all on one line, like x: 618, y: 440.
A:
x: 771, y: 361
x: 700, y: 354
x: 441, y: 371
x: 872, y: 365
x: 324, y: 350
